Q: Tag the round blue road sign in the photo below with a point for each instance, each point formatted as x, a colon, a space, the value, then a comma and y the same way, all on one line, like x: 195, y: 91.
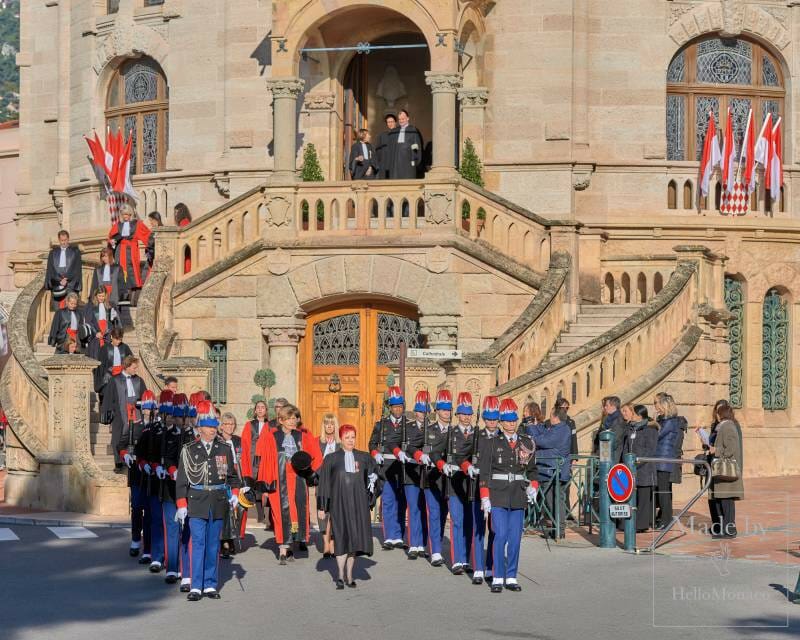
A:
x: 620, y: 483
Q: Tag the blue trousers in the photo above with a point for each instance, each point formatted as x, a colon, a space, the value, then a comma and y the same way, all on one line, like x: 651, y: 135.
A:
x: 156, y: 529
x: 481, y: 558
x: 507, y: 527
x: 460, y: 529
x: 436, y: 508
x: 206, y: 534
x: 172, y: 538
x: 416, y: 503
x: 140, y: 519
x: 393, y: 509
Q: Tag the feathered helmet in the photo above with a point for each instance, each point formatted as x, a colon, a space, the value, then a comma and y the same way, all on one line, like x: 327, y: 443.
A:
x: 422, y: 401
x: 206, y: 414
x: 148, y: 400
x: 508, y: 410
x: 464, y: 405
x: 165, y: 402
x: 395, y: 397
x: 444, y: 400
x: 194, y: 399
x: 180, y: 405
x: 491, y: 408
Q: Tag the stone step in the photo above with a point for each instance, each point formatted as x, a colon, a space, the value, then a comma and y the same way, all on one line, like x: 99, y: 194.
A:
x: 587, y: 330
x: 609, y: 309
x: 569, y: 340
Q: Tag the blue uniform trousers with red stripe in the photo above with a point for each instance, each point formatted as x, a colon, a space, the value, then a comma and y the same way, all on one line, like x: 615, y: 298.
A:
x: 205, y: 542
x: 507, y: 525
x: 416, y: 504
x: 436, y: 508
x: 156, y: 529
x: 393, y: 508
x: 172, y: 538
x: 481, y: 559
x: 460, y: 529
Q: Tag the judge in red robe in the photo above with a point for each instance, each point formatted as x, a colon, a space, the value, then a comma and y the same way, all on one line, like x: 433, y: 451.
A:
x: 127, y: 237
x: 250, y: 462
x: 289, y: 499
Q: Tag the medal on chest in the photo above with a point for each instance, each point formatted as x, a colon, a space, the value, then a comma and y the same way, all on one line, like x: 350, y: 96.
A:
x: 222, y: 466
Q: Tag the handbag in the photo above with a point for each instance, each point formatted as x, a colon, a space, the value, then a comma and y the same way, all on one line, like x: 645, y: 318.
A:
x: 700, y: 469
x: 725, y: 469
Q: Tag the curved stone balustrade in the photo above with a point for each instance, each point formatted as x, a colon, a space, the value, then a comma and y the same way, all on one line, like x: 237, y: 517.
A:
x: 634, y: 279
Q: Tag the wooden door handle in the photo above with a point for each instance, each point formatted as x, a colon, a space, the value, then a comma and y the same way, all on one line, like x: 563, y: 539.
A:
x: 363, y: 409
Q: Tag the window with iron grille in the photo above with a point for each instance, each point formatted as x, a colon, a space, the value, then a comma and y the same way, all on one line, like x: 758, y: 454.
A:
x: 112, y: 6
x: 217, y: 356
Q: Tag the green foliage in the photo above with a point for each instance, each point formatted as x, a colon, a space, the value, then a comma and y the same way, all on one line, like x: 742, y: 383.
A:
x: 471, y: 167
x: 390, y: 380
x: 465, y: 211
x: 311, y: 171
x: 9, y: 73
x: 265, y: 380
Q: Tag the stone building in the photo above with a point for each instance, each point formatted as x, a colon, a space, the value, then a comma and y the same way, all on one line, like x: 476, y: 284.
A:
x: 588, y: 265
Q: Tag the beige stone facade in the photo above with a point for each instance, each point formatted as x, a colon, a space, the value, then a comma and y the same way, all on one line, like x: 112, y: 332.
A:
x: 585, y: 205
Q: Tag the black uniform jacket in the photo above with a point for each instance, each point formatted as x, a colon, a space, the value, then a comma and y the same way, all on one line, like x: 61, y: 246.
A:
x: 497, y: 456
x: 221, y: 471
x: 460, y: 454
x: 387, y: 438
x: 434, y: 444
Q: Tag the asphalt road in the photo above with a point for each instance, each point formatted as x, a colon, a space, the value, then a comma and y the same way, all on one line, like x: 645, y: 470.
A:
x: 87, y: 588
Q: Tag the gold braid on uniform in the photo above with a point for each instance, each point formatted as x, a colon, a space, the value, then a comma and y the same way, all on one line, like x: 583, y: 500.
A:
x: 195, y: 473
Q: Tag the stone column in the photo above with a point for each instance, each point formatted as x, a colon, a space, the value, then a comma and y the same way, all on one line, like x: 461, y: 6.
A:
x: 441, y: 332
x: 472, y: 103
x: 283, y: 334
x: 318, y: 111
x: 284, y: 126
x: 443, y: 87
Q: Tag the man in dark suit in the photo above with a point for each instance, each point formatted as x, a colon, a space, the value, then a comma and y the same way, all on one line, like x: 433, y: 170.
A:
x: 63, y: 273
x: 121, y: 408
x: 406, y: 143
x: 363, y: 163
x: 384, y: 149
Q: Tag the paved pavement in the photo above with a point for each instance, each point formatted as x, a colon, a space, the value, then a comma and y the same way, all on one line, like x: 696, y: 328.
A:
x: 61, y: 585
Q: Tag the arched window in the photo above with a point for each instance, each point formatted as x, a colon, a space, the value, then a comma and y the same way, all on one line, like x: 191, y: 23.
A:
x: 138, y: 101
x: 712, y: 75
x: 775, y: 352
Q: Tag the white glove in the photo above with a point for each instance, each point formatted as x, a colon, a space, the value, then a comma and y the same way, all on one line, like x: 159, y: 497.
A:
x: 175, y: 474
x: 449, y: 469
x: 379, y: 458
x: 486, y: 505
x: 473, y: 471
x: 426, y: 460
x: 244, y: 489
x: 161, y: 473
x: 373, y: 478
x: 128, y: 458
x: 234, y: 501
x: 531, y: 493
x: 147, y: 468
x: 180, y: 514
x: 402, y: 457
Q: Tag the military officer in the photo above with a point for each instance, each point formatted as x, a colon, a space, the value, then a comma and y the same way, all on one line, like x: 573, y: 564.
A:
x: 385, y: 446
x: 206, y: 482
x: 415, y: 498
x: 507, y: 486
x: 140, y: 508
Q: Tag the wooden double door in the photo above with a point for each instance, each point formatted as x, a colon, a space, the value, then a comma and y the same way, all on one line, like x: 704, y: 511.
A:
x: 351, y: 347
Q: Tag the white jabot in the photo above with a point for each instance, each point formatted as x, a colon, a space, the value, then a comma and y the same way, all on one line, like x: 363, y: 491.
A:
x: 101, y: 312
x: 261, y: 427
x: 62, y: 259
x: 117, y: 357
x: 349, y: 462
x: 126, y: 229
x: 73, y: 321
x: 365, y: 150
x: 330, y: 447
x: 107, y: 273
x: 129, y: 385
x: 402, y: 137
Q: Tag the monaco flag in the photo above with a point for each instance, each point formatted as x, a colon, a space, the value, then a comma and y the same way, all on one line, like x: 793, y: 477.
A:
x: 728, y: 173
x: 762, y: 143
x: 747, y: 159
x: 774, y: 170
x: 711, y: 155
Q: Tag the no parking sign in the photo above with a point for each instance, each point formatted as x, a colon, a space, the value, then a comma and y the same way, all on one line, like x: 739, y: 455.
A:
x: 620, y: 483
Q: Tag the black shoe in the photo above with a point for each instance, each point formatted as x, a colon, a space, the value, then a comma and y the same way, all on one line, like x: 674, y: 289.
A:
x: 477, y: 580
x: 155, y: 568
x: 413, y: 555
x: 458, y: 570
x: 282, y: 559
x: 171, y: 579
x: 352, y: 584
x: 399, y: 545
x: 145, y: 559
x: 327, y: 555
x: 497, y: 588
x: 513, y: 587
x: 387, y: 546
x: 437, y: 563
x: 225, y: 555
x: 302, y: 546
x: 119, y: 470
x: 186, y: 588
x: 133, y: 552
x: 194, y: 596
x: 339, y: 584
x: 214, y: 595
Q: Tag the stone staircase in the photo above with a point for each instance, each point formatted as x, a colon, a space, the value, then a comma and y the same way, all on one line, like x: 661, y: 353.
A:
x: 592, y: 320
x: 100, y: 434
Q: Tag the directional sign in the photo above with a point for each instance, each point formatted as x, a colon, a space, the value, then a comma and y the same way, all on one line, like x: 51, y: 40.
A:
x: 620, y: 483
x: 435, y: 354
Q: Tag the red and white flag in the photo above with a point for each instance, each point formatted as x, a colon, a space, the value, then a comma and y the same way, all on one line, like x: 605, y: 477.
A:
x: 728, y: 173
x: 747, y: 159
x: 774, y: 170
x: 762, y: 142
x: 711, y: 155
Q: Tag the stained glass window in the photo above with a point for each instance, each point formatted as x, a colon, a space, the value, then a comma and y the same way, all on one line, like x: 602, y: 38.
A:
x: 775, y: 352
x: 718, y: 74
x: 337, y: 341
x: 138, y: 101
x: 734, y: 302
x: 392, y: 330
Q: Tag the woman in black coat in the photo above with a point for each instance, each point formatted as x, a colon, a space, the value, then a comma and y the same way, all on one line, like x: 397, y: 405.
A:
x: 99, y: 318
x: 66, y: 323
x: 109, y: 276
x: 642, y: 440
x: 346, y: 480
x: 328, y: 443
x: 363, y: 161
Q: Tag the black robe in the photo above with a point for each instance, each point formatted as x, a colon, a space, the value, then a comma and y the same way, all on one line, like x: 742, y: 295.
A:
x: 384, y: 154
x: 105, y: 354
x: 117, y: 283
x: 60, y: 327
x: 115, y: 410
x: 407, y: 162
x: 54, y: 273
x: 91, y: 323
x: 345, y: 498
x: 358, y: 170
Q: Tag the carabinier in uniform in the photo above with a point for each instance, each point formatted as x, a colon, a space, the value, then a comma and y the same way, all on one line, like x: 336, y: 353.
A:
x: 385, y: 447
x: 457, y: 469
x: 507, y: 486
x: 188, y: 435
x: 140, y: 508
x: 431, y: 455
x: 414, y: 487
x: 206, y: 483
x: 481, y: 555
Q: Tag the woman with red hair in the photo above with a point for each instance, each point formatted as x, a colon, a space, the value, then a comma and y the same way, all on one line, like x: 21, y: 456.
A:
x: 347, y: 481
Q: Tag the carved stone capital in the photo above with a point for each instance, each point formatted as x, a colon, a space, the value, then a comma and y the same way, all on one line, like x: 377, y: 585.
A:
x: 473, y: 97
x: 284, y: 331
x: 441, y: 332
x: 319, y: 101
x: 286, y: 87
x: 443, y: 82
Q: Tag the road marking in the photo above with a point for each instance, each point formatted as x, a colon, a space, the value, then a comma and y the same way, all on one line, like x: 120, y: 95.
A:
x: 7, y: 535
x: 72, y: 533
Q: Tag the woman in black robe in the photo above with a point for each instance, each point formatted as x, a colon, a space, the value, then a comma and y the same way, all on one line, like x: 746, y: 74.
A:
x: 109, y: 276
x: 346, y: 480
x: 66, y: 323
